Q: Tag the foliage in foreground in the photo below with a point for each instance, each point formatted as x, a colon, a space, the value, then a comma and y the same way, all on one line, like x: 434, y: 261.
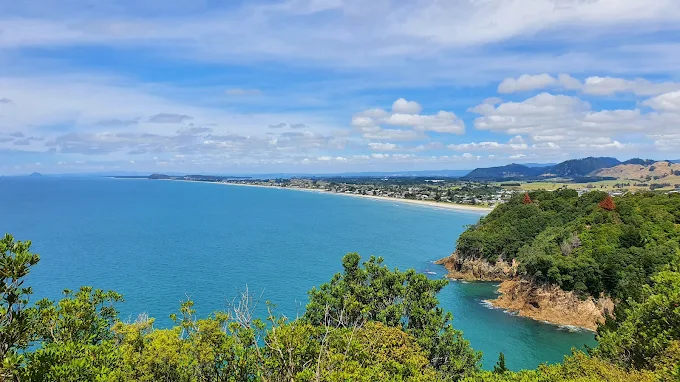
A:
x: 367, y: 324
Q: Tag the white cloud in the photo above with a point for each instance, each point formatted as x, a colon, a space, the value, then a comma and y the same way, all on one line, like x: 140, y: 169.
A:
x: 599, y: 86
x: 669, y: 102
x: 382, y: 146
x: 569, y: 124
x: 406, y: 107
x: 568, y: 82
x: 516, y: 143
x: 639, y: 86
x: 411, y: 125
x: 526, y: 82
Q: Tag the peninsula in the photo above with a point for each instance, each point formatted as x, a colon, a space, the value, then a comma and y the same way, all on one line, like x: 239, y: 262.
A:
x: 569, y: 259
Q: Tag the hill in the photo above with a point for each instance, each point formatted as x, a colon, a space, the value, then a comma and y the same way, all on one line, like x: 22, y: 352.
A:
x: 566, y: 258
x: 574, y: 168
x: 644, y: 171
x: 580, y: 167
x: 511, y: 171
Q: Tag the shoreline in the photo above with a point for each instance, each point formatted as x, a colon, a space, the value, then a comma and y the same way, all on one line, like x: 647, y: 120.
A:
x: 519, y: 297
x: 422, y: 203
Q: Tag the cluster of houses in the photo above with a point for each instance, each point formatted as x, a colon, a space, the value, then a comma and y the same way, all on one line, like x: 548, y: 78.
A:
x: 429, y: 190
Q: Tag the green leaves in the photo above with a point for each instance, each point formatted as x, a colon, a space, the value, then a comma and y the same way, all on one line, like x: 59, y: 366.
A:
x: 16, y: 318
x: 650, y: 326
x: 405, y: 300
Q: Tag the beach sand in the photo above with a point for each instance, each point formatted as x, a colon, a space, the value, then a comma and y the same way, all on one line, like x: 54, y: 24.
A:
x: 422, y: 203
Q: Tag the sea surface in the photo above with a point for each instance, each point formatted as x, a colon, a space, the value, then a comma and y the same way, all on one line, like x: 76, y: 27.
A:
x: 159, y: 242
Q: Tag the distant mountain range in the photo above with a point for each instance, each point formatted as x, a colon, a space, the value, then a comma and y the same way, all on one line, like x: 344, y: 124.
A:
x: 591, y: 167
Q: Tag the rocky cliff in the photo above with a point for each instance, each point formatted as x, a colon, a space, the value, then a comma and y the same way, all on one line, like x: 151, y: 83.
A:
x: 545, y: 303
x: 471, y: 269
x: 552, y: 304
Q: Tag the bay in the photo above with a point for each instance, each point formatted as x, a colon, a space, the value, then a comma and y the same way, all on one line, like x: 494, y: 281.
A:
x: 161, y: 242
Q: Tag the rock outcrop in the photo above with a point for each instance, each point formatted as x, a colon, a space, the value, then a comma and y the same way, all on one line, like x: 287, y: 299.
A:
x: 471, y: 269
x: 544, y: 303
x: 552, y: 304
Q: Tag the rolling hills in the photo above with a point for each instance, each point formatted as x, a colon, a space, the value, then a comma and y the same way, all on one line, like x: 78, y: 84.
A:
x: 573, y: 168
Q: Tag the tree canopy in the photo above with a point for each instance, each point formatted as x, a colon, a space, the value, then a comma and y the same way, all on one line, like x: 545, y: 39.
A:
x: 575, y: 243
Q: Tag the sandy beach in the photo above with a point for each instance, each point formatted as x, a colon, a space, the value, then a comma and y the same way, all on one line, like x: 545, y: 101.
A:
x: 422, y: 203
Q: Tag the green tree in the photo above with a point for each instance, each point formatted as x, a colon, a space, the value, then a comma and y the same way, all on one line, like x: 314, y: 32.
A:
x: 16, y: 321
x: 406, y: 300
x: 500, y: 367
x: 649, y: 328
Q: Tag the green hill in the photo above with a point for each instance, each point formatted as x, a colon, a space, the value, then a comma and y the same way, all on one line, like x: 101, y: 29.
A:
x: 574, y: 168
x: 570, y: 241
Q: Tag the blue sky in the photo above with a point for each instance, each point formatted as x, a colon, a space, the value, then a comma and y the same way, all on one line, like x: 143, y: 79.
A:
x: 334, y: 85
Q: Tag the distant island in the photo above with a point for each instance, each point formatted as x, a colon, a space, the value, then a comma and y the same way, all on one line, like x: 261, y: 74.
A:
x: 36, y: 174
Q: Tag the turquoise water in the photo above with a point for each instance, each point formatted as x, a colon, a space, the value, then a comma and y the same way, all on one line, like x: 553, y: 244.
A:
x: 158, y: 242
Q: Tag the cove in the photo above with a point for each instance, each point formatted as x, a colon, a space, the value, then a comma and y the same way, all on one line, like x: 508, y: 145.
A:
x: 159, y: 242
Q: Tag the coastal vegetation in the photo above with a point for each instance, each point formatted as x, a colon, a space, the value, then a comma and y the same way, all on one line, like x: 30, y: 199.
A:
x: 368, y: 323
x: 590, y: 244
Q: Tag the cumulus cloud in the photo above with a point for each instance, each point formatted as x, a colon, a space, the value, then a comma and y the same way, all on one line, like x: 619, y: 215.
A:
x: 526, y: 82
x: 639, y: 86
x: 571, y: 125
x: 669, y: 102
x: 597, y: 86
x: 169, y: 118
x: 404, y: 115
x: 406, y: 107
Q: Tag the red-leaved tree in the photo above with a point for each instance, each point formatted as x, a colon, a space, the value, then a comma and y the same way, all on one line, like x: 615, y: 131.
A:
x: 527, y: 199
x: 608, y: 203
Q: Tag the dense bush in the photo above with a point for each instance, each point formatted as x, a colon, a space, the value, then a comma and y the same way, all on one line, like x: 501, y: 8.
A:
x: 571, y: 241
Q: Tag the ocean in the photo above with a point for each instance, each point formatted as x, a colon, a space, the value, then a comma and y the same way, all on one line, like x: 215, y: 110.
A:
x: 161, y: 242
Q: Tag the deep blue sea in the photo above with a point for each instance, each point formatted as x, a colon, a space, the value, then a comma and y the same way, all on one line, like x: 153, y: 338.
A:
x: 159, y: 242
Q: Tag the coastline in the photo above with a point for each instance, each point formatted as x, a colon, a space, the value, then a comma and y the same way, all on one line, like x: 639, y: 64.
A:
x: 547, y: 304
x: 551, y: 305
x: 422, y: 203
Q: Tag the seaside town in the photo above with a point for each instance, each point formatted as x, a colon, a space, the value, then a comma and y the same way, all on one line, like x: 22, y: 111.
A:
x: 435, y: 190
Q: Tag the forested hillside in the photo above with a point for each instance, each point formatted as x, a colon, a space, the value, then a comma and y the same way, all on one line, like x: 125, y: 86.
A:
x: 582, y: 243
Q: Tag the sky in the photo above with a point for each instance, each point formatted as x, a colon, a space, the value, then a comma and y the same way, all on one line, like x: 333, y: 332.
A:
x: 329, y: 86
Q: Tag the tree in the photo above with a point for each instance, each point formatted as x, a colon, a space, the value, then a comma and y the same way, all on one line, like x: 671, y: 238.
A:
x: 649, y: 328
x: 405, y: 300
x: 527, y: 199
x: 16, y: 332
x: 500, y: 367
x: 608, y: 203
